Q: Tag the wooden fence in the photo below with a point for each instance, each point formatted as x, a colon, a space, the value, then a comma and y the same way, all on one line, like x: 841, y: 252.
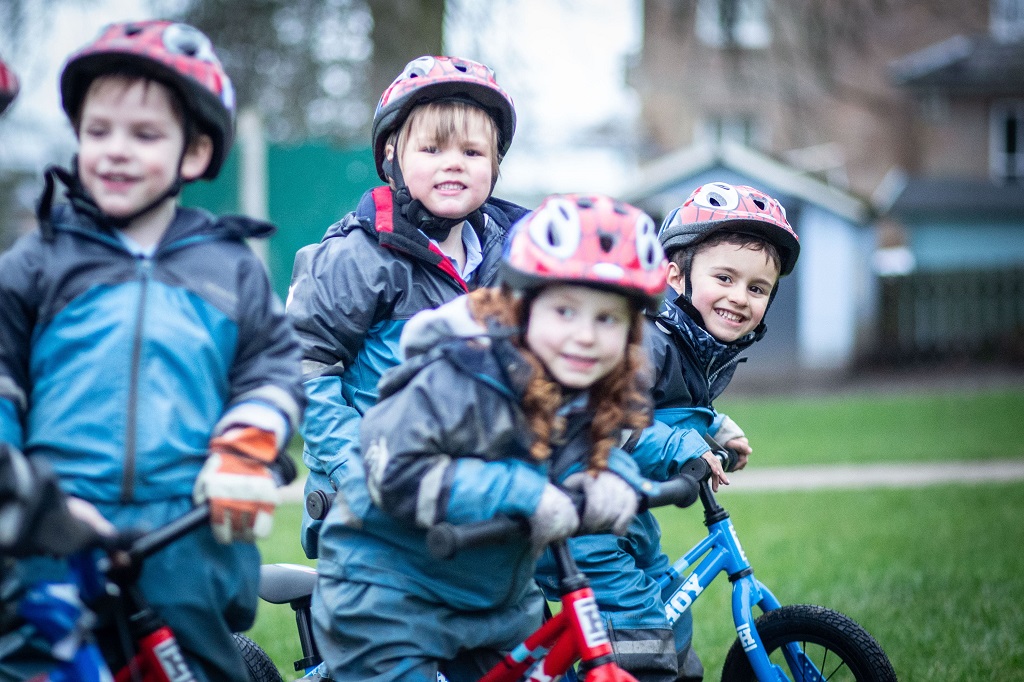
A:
x: 968, y: 315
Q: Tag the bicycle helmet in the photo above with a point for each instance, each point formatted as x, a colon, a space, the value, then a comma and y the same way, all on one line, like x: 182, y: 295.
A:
x: 176, y: 54
x: 737, y: 208
x: 427, y: 79
x: 590, y: 240
x: 8, y: 86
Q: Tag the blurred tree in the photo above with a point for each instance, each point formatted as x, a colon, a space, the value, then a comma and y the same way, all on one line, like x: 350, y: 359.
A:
x: 314, y: 68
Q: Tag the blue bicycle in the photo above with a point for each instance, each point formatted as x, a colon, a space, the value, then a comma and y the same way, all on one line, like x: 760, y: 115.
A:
x: 797, y: 642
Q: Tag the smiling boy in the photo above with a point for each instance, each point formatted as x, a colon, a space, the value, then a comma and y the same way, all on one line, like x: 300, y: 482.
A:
x: 143, y: 353
x: 431, y: 234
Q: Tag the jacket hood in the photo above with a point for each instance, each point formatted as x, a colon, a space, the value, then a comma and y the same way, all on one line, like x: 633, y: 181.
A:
x: 448, y: 322
x: 710, y: 354
x: 187, y: 222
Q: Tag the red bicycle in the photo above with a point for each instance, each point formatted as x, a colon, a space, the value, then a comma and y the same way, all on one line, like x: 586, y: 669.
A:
x: 575, y: 635
x: 105, y: 579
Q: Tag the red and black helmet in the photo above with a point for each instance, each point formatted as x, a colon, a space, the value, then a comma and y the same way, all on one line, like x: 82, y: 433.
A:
x: 8, y: 86
x: 737, y: 208
x: 176, y: 54
x: 590, y: 240
x: 428, y: 79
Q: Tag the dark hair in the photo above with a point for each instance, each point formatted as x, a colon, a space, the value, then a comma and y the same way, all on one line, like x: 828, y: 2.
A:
x: 684, y: 256
x: 182, y: 113
x: 616, y: 400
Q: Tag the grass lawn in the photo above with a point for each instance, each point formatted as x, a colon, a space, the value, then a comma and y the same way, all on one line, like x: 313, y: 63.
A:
x: 933, y: 573
x: 862, y: 429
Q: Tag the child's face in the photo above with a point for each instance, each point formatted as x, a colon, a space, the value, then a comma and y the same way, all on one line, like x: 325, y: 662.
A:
x: 130, y: 143
x: 731, y: 285
x: 452, y: 178
x: 579, y: 333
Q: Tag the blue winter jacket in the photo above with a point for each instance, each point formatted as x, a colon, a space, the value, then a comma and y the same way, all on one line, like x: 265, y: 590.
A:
x: 690, y: 369
x: 449, y: 442
x: 117, y: 368
x: 350, y: 298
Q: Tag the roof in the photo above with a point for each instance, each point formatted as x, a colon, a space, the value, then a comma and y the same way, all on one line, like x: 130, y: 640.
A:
x: 979, y: 65
x: 958, y: 196
x: 667, y: 173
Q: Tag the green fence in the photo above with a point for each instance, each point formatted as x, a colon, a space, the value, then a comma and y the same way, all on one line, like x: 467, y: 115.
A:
x: 310, y: 186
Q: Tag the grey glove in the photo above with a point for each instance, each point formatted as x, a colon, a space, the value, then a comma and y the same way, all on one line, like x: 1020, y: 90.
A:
x: 609, y: 502
x: 554, y: 519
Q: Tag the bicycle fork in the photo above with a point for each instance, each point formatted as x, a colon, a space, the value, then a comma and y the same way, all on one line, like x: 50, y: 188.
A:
x: 725, y: 554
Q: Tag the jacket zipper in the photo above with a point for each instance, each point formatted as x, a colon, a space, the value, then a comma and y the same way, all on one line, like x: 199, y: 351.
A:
x: 131, y: 425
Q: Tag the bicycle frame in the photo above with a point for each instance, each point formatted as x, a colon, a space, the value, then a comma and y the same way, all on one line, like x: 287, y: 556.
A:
x: 576, y: 633
x: 157, y: 656
x: 723, y: 553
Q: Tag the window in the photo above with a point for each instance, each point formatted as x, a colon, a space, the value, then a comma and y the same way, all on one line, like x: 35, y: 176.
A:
x: 734, y: 23
x: 1006, y: 135
x: 735, y: 128
x: 1007, y: 19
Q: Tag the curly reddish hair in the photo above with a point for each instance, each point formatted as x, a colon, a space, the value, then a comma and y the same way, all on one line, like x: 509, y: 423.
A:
x: 616, y: 400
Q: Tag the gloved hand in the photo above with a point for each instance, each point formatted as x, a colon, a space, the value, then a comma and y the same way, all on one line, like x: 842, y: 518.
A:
x: 554, y: 519
x: 238, y: 484
x: 609, y: 502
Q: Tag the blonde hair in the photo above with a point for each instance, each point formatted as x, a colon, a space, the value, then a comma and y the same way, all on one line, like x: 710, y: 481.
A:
x: 448, y: 119
x: 616, y: 400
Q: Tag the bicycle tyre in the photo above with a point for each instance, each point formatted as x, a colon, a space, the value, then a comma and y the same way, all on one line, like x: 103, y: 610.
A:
x: 825, y: 635
x: 257, y: 662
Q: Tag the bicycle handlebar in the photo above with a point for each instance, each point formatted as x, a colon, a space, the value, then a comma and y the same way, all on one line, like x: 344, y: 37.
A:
x: 445, y: 540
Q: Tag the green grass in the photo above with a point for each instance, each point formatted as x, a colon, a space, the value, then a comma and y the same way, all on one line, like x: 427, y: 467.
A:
x: 933, y: 573
x: 880, y: 428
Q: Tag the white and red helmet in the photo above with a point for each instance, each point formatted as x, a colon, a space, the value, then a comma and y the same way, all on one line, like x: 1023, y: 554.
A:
x: 176, y: 54
x: 718, y: 206
x: 427, y: 79
x: 8, y: 86
x: 587, y: 239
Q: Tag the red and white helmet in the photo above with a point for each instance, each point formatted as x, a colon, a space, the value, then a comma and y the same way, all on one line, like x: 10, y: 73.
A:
x: 737, y: 208
x: 8, y: 86
x: 176, y: 54
x: 590, y: 240
x: 427, y: 79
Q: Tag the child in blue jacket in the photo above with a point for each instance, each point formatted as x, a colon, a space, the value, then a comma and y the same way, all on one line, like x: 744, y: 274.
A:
x: 727, y: 247
x: 431, y: 234
x: 506, y: 393
x: 143, y: 353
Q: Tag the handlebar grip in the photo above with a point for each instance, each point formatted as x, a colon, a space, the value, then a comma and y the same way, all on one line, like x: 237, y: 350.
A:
x: 727, y: 456
x: 681, y: 491
x: 318, y: 503
x: 445, y: 540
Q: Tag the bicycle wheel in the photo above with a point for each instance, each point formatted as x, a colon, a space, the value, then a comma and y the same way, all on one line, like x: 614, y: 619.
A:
x: 258, y: 663
x: 835, y: 648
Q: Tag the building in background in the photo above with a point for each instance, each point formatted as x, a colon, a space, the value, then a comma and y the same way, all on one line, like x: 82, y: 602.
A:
x: 913, y: 108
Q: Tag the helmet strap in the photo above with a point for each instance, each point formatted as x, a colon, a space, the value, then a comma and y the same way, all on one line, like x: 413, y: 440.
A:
x: 415, y: 212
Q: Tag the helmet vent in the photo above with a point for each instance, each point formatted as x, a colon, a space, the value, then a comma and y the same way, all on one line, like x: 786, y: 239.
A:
x: 554, y: 239
x: 607, y: 242
x: 759, y: 202
x: 132, y: 30
x: 716, y: 199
